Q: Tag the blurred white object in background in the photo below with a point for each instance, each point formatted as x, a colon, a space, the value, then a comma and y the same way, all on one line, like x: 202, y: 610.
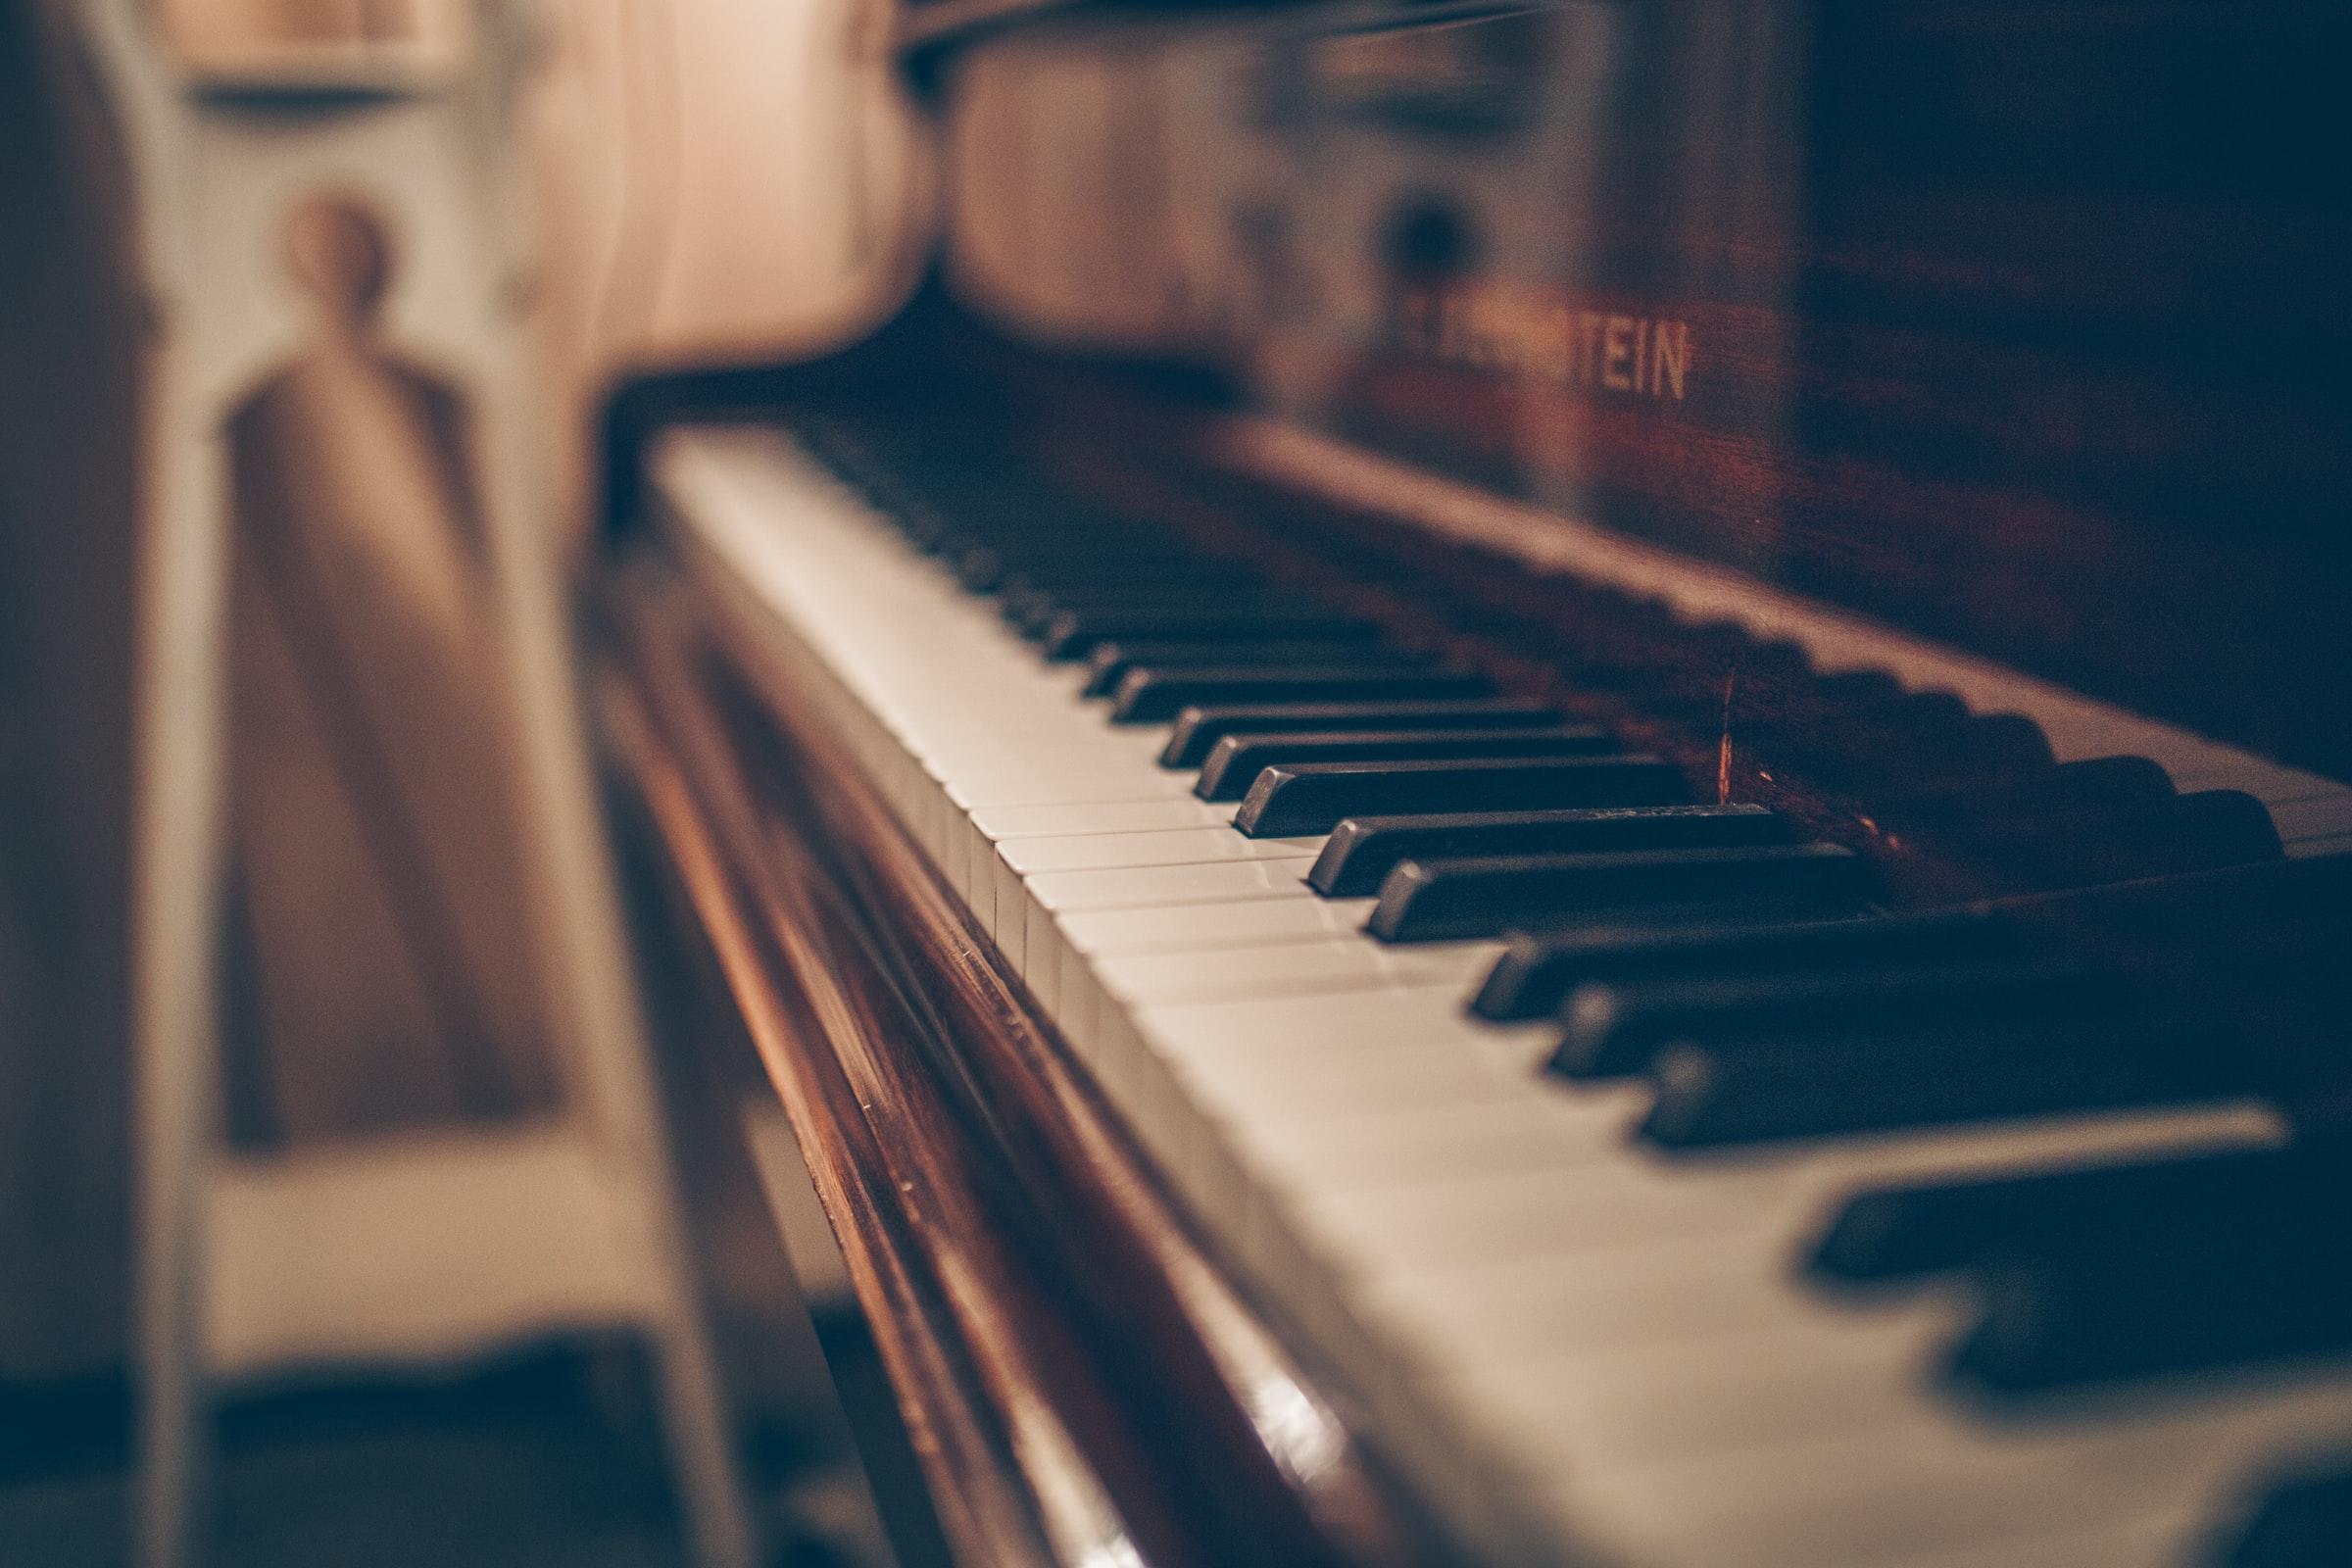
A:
x: 711, y: 179
x: 224, y: 145
x: 718, y: 180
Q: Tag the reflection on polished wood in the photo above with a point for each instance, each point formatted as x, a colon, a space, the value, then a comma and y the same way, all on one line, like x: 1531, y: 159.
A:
x: 1077, y: 1379
x: 2016, y: 324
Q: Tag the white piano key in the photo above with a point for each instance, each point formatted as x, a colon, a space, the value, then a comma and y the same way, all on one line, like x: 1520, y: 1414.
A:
x: 1429, y: 1019
x: 1195, y: 927
x: 1186, y: 846
x: 1155, y: 886
x: 1235, y: 1116
x: 1046, y: 788
x: 1007, y: 922
x: 1804, y: 1373
x: 1296, y: 968
x: 1001, y: 822
x: 1040, y: 754
x: 1426, y: 1142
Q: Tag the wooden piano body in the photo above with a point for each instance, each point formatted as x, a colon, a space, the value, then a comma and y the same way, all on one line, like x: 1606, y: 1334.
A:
x: 1874, y: 411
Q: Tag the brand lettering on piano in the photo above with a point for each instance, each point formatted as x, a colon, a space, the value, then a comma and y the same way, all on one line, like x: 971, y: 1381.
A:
x: 1517, y: 331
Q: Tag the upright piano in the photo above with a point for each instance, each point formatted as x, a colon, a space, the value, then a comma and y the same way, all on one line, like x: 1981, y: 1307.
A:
x: 1556, y: 782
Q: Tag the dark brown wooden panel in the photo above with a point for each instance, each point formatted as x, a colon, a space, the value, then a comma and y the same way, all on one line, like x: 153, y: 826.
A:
x: 2022, y: 324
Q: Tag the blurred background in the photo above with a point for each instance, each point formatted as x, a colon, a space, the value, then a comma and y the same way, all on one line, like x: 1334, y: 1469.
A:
x: 700, y: 179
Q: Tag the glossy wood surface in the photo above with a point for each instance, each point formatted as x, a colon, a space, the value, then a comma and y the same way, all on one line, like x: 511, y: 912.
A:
x: 1076, y: 1376
x: 2018, y: 324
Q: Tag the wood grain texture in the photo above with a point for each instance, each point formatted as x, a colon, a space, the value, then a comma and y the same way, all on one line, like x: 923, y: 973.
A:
x: 1073, y: 1368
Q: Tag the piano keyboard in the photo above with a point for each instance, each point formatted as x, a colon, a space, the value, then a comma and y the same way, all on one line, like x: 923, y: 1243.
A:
x: 1659, y: 1199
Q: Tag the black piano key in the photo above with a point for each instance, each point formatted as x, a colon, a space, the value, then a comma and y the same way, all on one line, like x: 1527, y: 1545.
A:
x: 1317, y: 797
x: 1996, y: 745
x: 2186, y: 833
x: 1536, y: 973
x: 1728, y: 1091
x: 1108, y: 664
x: 1445, y: 901
x: 1149, y: 696
x: 1199, y: 728
x: 1073, y: 634
x: 1961, y: 812
x: 1237, y: 759
x: 1935, y: 1227
x: 1814, y: 713
x: 1910, y: 744
x: 2260, y: 1286
x: 1615, y: 1028
x: 1852, y: 689
x: 1991, y: 750
x: 2302, y: 1521
x: 1363, y: 849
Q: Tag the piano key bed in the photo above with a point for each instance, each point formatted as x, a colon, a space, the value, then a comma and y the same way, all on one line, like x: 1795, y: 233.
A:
x: 1668, y: 1178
